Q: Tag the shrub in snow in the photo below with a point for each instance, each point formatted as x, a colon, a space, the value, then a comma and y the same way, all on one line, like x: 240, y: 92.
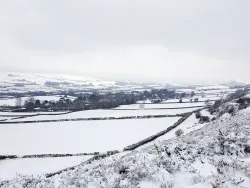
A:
x: 215, y: 107
x: 204, y: 119
x: 179, y: 132
x: 243, y: 103
x: 237, y: 94
x: 247, y: 149
x: 230, y: 108
x: 198, y: 115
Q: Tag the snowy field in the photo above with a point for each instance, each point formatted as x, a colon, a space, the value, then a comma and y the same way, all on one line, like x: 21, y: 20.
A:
x: 77, y: 137
x: 190, y: 124
x: 187, y: 126
x: 88, y: 136
x: 37, y: 166
x: 106, y: 113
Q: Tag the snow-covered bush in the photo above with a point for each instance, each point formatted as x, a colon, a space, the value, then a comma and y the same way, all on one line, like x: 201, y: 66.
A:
x: 230, y: 108
x: 198, y: 115
x: 179, y: 132
x: 204, y: 119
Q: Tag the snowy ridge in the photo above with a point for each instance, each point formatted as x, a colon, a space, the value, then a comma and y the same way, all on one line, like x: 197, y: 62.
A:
x: 33, y: 82
x: 216, y: 155
x: 53, y: 83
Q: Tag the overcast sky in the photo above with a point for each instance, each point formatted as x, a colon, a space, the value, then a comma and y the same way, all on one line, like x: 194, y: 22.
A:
x: 181, y: 41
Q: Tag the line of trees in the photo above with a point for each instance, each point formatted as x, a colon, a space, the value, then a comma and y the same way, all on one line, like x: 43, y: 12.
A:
x: 94, y: 100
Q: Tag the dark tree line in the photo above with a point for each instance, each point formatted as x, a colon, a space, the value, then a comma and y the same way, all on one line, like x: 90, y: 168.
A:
x: 97, y: 100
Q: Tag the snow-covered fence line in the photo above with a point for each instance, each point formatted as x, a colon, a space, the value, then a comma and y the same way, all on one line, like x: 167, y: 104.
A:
x: 186, y: 107
x: 151, y: 138
x: 3, y: 157
x: 96, y: 157
x: 19, y: 116
x: 58, y: 155
x: 177, y: 102
x: 94, y: 119
x: 33, y: 115
x: 16, y: 115
x: 25, y: 116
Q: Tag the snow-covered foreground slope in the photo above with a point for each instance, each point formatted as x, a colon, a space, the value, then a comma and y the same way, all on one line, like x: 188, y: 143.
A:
x: 77, y: 136
x: 213, y: 156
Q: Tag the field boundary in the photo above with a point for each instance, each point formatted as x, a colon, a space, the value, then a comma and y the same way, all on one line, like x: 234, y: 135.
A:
x: 128, y: 148
x: 31, y: 115
x: 96, y: 157
x: 3, y: 157
x: 177, y: 102
x: 161, y: 108
x: 94, y: 119
x: 151, y: 138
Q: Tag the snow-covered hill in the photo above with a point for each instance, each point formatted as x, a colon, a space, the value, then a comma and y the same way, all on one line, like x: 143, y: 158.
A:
x: 37, y: 82
x: 24, y: 82
x: 217, y: 155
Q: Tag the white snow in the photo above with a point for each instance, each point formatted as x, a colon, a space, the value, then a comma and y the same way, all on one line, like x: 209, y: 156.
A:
x: 213, y: 87
x: 23, y: 82
x: 194, y: 160
x: 37, y: 166
x: 187, y: 126
x: 190, y: 124
x: 77, y: 137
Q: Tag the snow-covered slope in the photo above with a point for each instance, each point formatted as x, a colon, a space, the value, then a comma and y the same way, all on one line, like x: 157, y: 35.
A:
x: 36, y: 82
x: 217, y: 155
x: 24, y: 82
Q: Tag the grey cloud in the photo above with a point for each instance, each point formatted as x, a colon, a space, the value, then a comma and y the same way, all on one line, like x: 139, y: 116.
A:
x: 88, y: 33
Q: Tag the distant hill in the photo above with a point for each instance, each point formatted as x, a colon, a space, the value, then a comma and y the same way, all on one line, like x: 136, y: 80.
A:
x: 37, y: 82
